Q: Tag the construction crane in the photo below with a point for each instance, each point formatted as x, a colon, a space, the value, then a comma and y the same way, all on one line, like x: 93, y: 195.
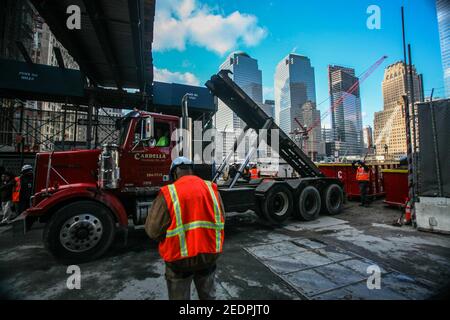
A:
x: 305, y: 131
x: 302, y: 131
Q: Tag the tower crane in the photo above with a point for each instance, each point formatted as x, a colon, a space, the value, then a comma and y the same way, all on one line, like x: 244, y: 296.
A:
x: 304, y: 132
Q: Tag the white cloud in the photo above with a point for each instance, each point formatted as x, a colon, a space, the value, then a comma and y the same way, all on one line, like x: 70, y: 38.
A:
x: 164, y: 75
x: 179, y: 22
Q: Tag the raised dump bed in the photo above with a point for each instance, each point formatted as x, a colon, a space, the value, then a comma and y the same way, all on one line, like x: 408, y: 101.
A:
x: 275, y: 199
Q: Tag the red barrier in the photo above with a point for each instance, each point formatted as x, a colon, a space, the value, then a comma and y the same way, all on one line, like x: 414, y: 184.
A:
x: 347, y: 174
x: 395, y: 186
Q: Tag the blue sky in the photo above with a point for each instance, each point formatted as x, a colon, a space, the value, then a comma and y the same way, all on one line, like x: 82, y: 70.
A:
x: 193, y: 37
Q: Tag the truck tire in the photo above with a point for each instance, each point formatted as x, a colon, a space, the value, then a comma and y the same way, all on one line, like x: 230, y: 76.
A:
x: 277, y: 205
x: 80, y: 231
x: 333, y: 199
x: 308, y: 204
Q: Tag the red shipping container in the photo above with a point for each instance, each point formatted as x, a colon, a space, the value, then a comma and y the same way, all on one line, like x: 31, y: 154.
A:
x: 395, y: 183
x: 347, y: 174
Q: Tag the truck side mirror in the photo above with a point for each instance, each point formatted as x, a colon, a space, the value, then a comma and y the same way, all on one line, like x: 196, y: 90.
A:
x: 149, y: 128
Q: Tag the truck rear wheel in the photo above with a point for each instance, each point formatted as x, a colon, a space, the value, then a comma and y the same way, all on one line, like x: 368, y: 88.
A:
x: 333, y: 199
x: 79, y: 232
x: 308, y: 204
x: 277, y: 205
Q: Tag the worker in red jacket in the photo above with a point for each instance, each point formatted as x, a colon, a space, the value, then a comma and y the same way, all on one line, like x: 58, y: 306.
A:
x: 22, y: 190
x: 16, y: 194
x: 187, y: 220
x: 363, y: 178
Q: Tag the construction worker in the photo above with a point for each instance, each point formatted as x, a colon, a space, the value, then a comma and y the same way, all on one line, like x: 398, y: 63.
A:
x: 6, y: 189
x: 25, y: 183
x: 163, y: 138
x: 187, y: 220
x: 363, y: 178
x: 16, y: 195
x: 254, y: 174
x: 246, y: 175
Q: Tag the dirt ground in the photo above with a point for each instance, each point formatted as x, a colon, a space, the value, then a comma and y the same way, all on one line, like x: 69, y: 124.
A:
x: 335, y: 257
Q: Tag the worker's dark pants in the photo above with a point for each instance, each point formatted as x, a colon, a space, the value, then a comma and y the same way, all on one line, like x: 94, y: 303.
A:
x: 363, y: 190
x: 16, y: 209
x: 179, y: 283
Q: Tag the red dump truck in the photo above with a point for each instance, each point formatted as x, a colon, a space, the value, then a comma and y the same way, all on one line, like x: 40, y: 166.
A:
x: 85, y: 196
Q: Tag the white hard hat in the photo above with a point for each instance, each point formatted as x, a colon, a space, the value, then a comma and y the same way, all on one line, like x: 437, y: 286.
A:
x: 178, y: 162
x: 26, y: 167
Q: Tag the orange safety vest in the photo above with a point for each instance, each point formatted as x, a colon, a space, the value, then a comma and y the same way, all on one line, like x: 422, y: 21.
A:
x: 362, y: 175
x: 196, y: 219
x: 16, y: 190
x: 254, y: 173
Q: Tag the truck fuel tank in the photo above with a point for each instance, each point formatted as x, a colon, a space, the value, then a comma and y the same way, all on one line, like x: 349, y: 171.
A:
x: 109, y: 176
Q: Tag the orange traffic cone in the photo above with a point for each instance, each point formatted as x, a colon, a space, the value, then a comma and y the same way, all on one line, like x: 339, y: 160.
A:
x: 408, y: 213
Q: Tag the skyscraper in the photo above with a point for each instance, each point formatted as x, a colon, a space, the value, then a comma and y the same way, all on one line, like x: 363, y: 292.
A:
x: 368, y: 139
x: 328, y: 141
x: 246, y: 74
x: 269, y: 107
x: 295, y: 98
x: 346, y: 120
x: 312, y: 146
x: 443, y: 16
x: 389, y: 124
x: 294, y: 86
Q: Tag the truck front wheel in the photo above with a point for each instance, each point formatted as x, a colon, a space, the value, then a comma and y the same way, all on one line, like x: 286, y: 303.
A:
x: 79, y: 232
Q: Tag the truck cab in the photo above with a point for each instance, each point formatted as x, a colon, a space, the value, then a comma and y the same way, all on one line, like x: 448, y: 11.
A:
x: 145, y: 147
x: 84, y: 196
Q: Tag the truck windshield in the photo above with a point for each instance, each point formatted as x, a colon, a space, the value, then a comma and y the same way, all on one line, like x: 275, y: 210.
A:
x: 124, y: 130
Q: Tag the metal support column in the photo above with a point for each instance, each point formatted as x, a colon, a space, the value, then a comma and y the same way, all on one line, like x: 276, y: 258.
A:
x: 89, y: 123
x: 75, y: 131
x: 436, y: 147
x: 21, y: 146
x: 63, y: 140
x: 96, y: 128
x: 407, y: 121
x: 413, y: 116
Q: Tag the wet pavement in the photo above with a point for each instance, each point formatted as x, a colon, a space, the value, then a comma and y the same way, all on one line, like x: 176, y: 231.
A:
x: 330, y: 258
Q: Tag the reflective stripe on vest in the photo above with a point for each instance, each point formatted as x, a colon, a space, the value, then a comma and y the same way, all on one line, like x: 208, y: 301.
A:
x: 181, y: 228
x: 179, y: 222
x: 16, y: 191
x: 362, y: 175
x: 216, y: 215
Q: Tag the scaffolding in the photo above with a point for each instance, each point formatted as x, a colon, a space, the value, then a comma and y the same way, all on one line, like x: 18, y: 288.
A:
x: 27, y: 128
